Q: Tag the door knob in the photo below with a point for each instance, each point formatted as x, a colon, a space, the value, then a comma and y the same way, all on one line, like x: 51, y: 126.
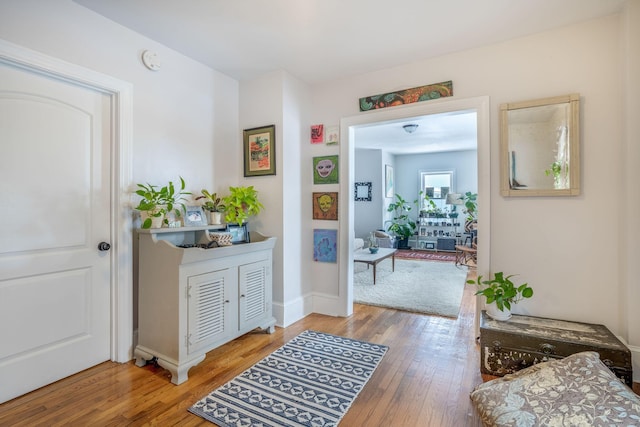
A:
x: 104, y: 246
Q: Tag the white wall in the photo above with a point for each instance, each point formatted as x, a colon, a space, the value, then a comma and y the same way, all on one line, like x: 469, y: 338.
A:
x: 178, y: 111
x: 283, y: 103
x: 629, y: 227
x: 464, y: 164
x: 369, y: 215
x: 555, y: 244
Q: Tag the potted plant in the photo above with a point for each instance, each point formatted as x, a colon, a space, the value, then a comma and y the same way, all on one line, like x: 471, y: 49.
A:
x: 500, y: 293
x: 157, y: 203
x: 471, y: 205
x: 241, y: 203
x: 401, y: 224
x: 213, y: 205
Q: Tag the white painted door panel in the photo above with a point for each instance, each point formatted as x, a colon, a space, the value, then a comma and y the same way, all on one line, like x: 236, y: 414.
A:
x: 55, y: 191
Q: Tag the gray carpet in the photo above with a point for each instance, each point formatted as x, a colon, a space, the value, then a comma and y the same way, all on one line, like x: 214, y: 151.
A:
x: 417, y: 286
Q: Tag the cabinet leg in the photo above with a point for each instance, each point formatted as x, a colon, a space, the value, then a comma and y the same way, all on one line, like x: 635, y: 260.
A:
x: 142, y: 357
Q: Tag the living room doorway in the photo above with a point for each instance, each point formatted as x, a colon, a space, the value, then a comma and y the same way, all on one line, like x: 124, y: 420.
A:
x: 347, y: 166
x: 438, y: 157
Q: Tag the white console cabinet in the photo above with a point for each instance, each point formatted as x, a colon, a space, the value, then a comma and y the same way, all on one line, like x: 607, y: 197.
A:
x: 192, y: 300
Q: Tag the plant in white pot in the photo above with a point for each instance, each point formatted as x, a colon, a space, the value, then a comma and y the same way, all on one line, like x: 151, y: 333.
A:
x: 500, y: 293
x: 156, y: 202
x: 213, y: 205
x: 241, y: 203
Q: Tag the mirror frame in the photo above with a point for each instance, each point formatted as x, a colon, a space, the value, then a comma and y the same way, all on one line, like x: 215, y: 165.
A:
x: 573, y: 125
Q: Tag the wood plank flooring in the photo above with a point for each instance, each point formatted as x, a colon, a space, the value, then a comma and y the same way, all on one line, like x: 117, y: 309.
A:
x: 424, y: 379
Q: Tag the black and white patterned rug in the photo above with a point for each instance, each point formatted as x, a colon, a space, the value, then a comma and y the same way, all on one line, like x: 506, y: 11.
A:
x: 310, y: 381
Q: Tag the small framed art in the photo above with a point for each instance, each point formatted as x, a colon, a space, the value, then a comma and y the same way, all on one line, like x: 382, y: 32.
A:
x: 260, y: 151
x: 194, y: 216
x: 362, y: 191
x: 239, y: 233
x: 325, y: 206
x: 388, y: 181
x: 325, y: 170
x: 325, y: 245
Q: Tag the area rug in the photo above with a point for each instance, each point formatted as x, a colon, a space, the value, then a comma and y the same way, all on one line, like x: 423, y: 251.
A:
x: 310, y: 381
x: 417, y: 286
x: 424, y: 255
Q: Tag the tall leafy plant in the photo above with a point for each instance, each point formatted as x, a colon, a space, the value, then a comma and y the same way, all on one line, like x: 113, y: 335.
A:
x: 158, y: 202
x: 241, y: 203
x: 402, y: 224
x: 471, y: 205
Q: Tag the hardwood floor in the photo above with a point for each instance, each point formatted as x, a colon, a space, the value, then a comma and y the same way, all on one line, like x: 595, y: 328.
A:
x: 424, y: 379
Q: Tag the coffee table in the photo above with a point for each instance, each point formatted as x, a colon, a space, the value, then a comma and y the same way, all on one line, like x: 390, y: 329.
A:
x: 366, y: 257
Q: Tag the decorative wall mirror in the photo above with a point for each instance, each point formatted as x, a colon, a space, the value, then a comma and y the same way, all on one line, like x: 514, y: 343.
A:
x: 362, y: 191
x: 540, y: 147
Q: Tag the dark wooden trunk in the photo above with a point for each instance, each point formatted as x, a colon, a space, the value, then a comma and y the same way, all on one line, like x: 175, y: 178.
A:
x: 508, y: 346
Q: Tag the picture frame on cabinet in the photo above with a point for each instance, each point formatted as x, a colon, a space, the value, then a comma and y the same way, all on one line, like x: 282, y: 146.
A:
x: 194, y: 216
x: 239, y: 233
x: 260, y: 151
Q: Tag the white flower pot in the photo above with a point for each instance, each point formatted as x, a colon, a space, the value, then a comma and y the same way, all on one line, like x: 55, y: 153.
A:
x: 156, y: 221
x: 215, y: 218
x: 493, y: 312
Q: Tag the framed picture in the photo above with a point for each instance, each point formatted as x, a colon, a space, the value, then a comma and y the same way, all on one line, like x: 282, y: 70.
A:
x: 325, y: 170
x: 325, y: 206
x: 362, y: 191
x: 332, y: 135
x: 388, y: 181
x: 239, y: 233
x: 325, y: 245
x: 317, y: 134
x: 260, y: 151
x: 194, y: 216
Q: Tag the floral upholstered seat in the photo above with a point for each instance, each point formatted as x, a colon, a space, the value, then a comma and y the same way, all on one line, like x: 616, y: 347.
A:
x: 578, y: 390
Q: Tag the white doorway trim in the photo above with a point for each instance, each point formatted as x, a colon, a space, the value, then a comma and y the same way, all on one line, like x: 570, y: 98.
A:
x: 348, y: 125
x: 121, y: 95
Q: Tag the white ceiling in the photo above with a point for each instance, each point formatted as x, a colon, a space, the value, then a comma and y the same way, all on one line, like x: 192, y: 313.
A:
x: 321, y: 40
x: 435, y: 133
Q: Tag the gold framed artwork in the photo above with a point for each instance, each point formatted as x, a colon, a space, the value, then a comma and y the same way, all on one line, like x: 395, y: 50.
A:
x: 260, y: 151
x: 325, y: 205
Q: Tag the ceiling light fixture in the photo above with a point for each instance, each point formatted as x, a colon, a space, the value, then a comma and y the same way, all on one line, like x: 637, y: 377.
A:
x: 410, y: 128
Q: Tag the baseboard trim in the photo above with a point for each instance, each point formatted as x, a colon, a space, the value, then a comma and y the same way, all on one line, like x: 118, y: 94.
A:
x: 292, y: 311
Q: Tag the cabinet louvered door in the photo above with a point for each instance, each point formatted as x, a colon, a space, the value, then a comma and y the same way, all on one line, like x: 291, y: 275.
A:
x: 255, y: 295
x: 209, y: 309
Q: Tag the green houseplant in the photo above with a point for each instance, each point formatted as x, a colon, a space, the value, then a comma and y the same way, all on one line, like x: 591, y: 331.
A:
x: 471, y: 205
x: 213, y: 204
x: 156, y: 202
x: 401, y: 224
x: 501, y: 292
x: 241, y: 203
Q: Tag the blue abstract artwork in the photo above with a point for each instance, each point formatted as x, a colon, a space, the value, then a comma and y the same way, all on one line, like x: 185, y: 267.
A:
x: 325, y: 245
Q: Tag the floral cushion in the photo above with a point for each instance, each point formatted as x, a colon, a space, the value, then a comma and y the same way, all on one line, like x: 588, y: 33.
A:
x: 578, y: 390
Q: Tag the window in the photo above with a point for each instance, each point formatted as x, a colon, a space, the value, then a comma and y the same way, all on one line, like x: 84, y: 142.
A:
x: 436, y: 185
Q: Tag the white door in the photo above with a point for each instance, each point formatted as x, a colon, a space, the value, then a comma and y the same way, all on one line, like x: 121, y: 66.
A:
x: 54, y: 211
